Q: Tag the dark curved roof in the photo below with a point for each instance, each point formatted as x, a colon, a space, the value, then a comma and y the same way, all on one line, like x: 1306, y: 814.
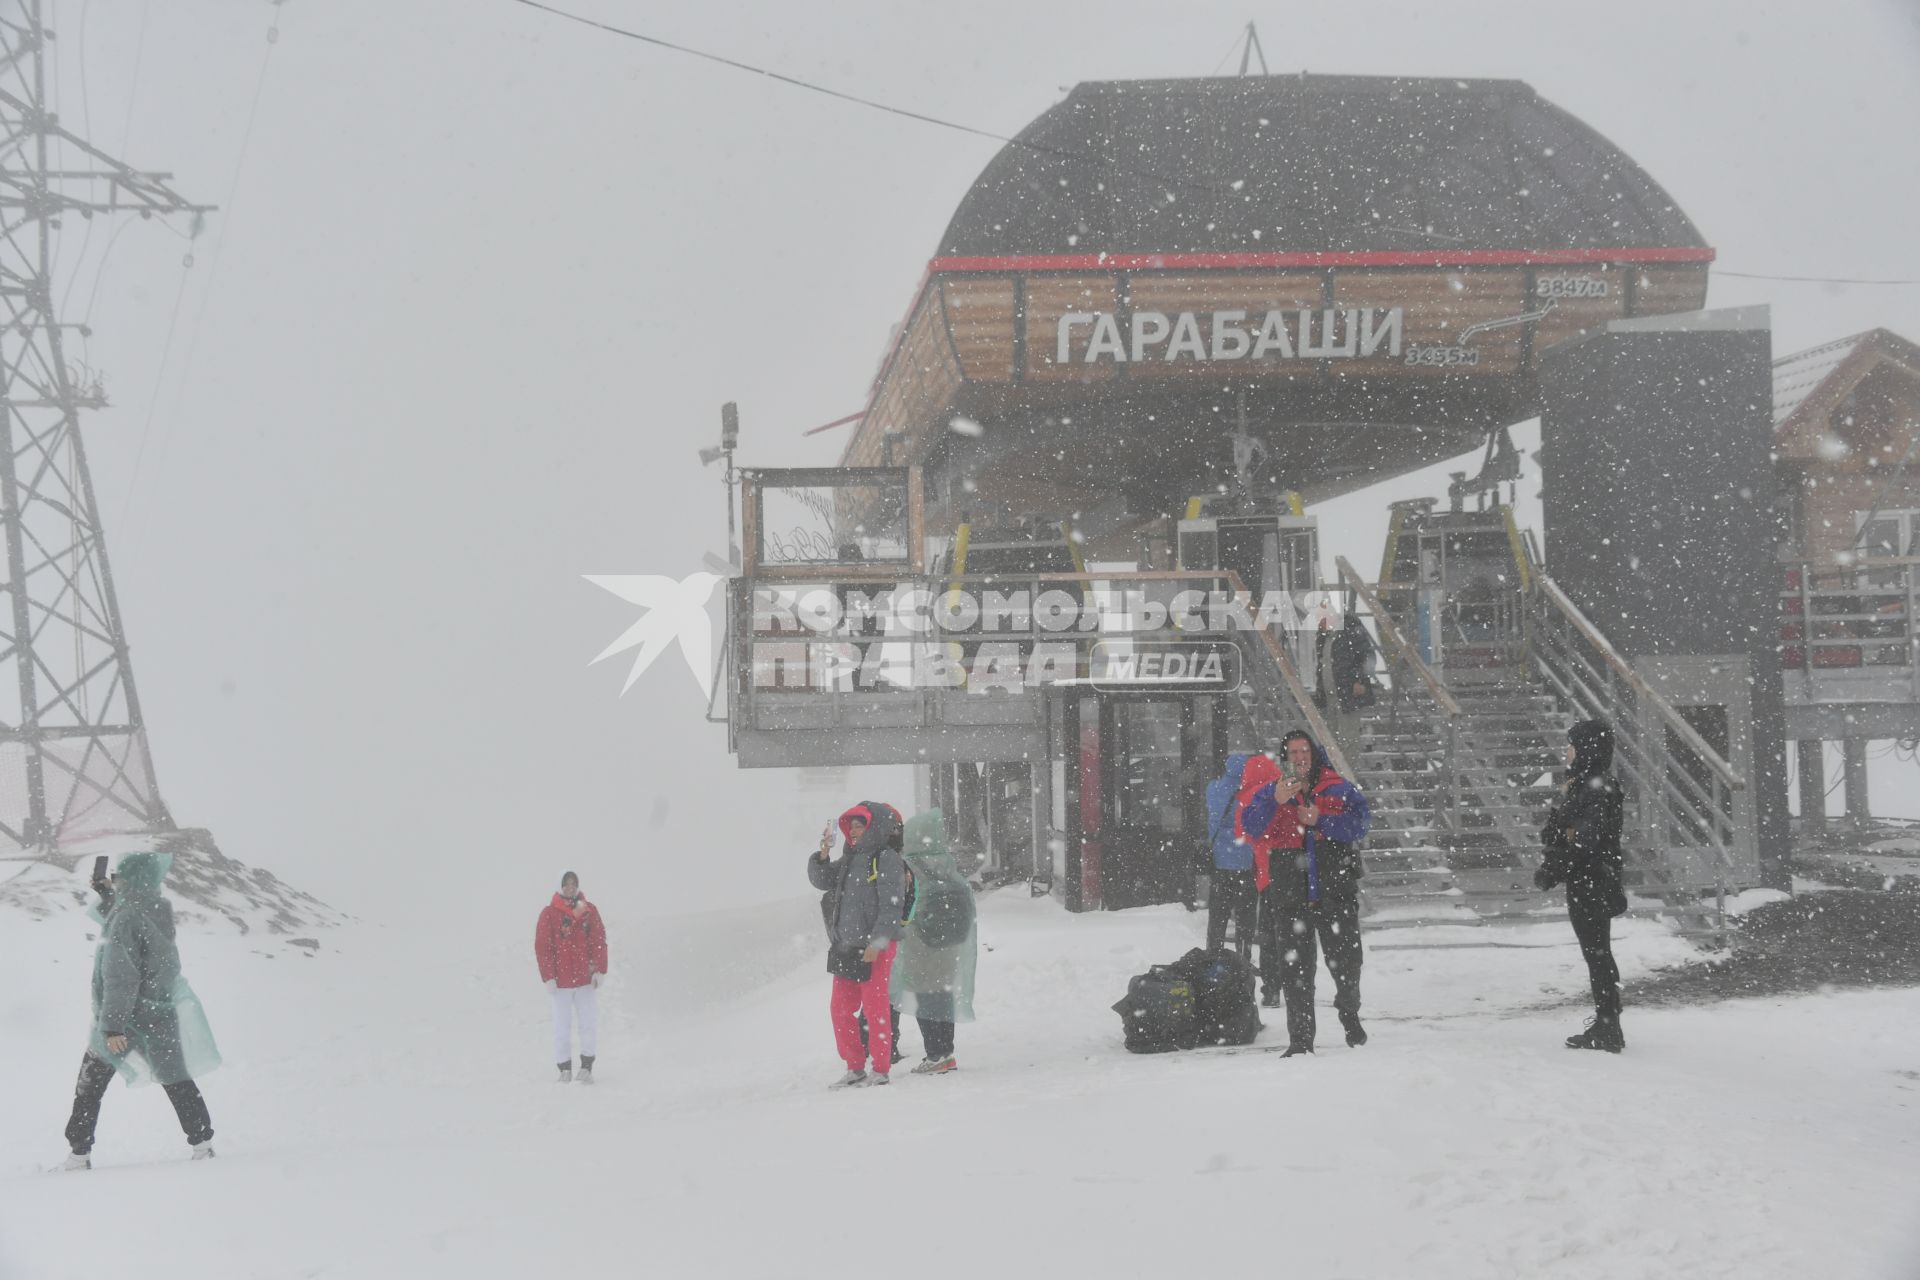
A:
x: 1310, y: 163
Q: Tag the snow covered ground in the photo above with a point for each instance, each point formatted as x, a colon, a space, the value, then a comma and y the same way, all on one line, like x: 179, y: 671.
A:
x: 388, y: 1111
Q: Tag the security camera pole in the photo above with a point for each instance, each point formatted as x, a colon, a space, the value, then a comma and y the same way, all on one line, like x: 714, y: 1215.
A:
x: 729, y: 437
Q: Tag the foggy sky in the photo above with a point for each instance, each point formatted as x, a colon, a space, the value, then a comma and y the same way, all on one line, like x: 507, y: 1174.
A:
x: 484, y: 278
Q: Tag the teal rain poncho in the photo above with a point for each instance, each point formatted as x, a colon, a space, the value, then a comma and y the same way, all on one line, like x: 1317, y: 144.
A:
x: 933, y: 972
x: 137, y: 988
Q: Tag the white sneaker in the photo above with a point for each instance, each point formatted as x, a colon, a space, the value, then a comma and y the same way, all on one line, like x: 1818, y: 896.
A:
x: 849, y: 1080
x: 566, y: 1075
x: 203, y: 1151
x: 586, y: 1075
x: 877, y: 1079
x: 75, y: 1163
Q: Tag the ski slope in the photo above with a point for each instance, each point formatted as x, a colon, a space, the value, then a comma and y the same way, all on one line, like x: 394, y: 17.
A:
x: 388, y: 1111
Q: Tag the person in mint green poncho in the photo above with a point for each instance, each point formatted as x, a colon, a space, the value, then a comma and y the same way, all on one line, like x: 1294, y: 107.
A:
x: 933, y: 974
x: 147, y: 1024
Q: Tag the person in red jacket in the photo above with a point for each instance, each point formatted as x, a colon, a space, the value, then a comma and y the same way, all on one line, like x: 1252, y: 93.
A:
x: 571, y: 945
x: 1306, y: 828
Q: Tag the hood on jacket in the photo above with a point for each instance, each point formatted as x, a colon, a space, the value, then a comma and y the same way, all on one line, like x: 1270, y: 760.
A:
x: 1592, y: 749
x: 1235, y: 770
x: 1321, y: 765
x: 928, y: 855
x: 925, y: 837
x: 883, y: 824
x: 140, y: 875
x: 860, y: 811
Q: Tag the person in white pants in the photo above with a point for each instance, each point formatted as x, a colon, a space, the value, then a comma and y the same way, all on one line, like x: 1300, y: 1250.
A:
x: 570, y: 943
x: 571, y: 1006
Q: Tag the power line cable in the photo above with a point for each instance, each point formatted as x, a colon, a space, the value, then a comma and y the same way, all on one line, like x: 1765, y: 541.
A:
x: 1227, y: 57
x: 811, y: 87
x: 86, y: 129
x: 159, y: 379
x: 133, y: 82
x: 1754, y: 275
x: 226, y: 229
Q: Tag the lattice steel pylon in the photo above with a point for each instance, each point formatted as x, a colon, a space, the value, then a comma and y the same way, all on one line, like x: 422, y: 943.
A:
x: 74, y: 760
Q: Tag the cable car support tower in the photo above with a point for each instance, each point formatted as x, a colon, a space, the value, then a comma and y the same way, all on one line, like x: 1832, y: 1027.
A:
x: 74, y: 760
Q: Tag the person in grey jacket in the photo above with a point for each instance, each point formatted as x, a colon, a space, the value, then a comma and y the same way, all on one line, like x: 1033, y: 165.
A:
x: 864, y: 906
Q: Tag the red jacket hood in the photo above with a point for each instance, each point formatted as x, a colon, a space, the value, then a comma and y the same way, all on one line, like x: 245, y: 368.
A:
x: 859, y: 811
x: 560, y: 902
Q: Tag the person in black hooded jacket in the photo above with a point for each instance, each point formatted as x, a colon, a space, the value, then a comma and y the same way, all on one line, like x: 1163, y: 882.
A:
x: 1582, y: 840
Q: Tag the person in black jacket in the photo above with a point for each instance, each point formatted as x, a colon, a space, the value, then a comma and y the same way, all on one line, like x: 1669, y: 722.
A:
x: 1582, y: 840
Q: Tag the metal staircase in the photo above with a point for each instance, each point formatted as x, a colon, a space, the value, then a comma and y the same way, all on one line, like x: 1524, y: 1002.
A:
x: 1460, y: 773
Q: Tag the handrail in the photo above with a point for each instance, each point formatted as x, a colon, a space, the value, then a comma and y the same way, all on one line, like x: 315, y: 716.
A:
x: 1856, y: 563
x: 1389, y: 632
x: 1316, y: 724
x: 1662, y: 708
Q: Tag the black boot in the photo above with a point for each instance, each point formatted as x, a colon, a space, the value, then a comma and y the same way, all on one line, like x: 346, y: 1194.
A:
x: 1602, y: 1033
x: 1297, y: 1050
x: 1356, y: 1034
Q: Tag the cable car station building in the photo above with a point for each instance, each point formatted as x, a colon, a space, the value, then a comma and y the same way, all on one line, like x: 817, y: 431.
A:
x: 1165, y: 321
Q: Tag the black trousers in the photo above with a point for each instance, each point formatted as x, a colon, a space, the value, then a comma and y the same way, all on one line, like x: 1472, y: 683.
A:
x: 1272, y: 970
x: 1301, y: 929
x: 936, y: 1037
x: 1593, y: 926
x: 91, y: 1088
x: 1232, y: 898
x: 897, y: 1055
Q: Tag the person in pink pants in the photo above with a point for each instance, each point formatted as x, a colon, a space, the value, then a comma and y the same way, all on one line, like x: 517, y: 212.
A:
x: 864, y: 903
x: 852, y: 998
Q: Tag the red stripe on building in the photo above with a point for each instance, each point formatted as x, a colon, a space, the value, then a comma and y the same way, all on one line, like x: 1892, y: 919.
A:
x: 1243, y: 261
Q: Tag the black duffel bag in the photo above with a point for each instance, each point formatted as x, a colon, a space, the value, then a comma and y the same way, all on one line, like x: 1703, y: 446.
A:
x: 1223, y: 994
x: 1159, y: 1012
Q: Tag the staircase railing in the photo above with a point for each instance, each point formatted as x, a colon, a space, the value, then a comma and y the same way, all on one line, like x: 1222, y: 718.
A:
x: 1275, y: 694
x: 1407, y: 672
x: 1681, y: 812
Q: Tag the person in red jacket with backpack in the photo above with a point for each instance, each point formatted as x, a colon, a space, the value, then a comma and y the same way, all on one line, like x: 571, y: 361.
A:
x: 571, y: 945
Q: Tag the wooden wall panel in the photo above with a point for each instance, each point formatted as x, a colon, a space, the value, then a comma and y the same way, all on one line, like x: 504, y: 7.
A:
x: 918, y: 388
x: 1575, y: 308
x: 1664, y: 290
x: 1049, y: 298
x: 1441, y: 309
x: 981, y: 324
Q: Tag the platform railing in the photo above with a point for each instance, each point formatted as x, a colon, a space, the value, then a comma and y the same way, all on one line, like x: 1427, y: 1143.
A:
x: 1852, y: 623
x: 1680, y: 811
